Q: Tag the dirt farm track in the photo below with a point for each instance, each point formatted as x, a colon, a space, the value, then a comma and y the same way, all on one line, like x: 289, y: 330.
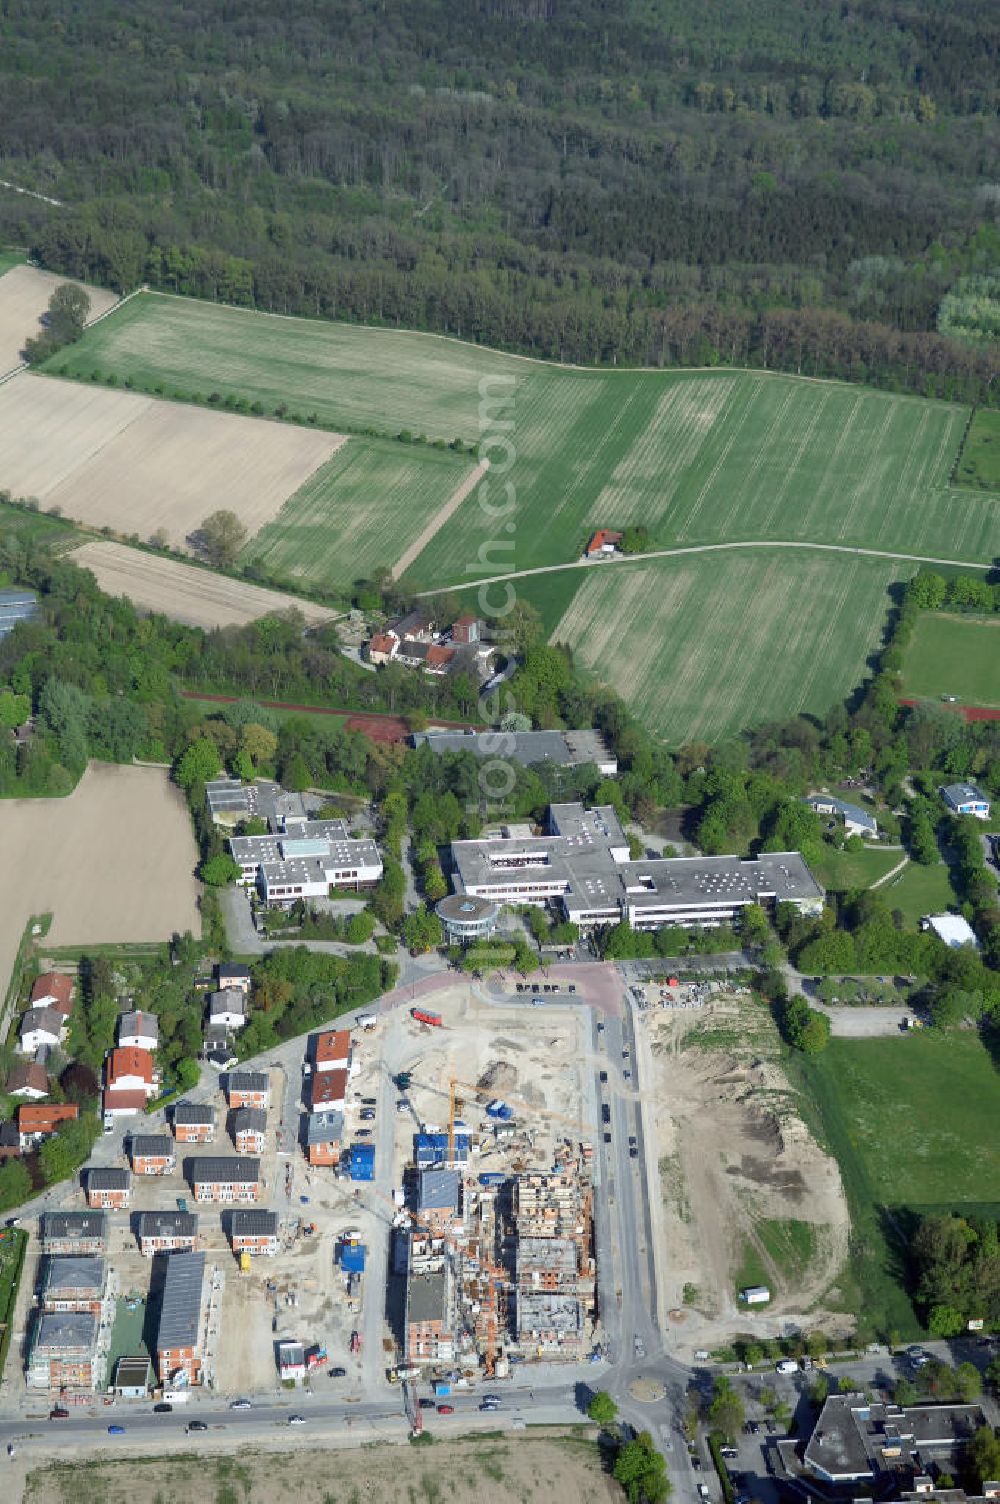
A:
x: 112, y: 862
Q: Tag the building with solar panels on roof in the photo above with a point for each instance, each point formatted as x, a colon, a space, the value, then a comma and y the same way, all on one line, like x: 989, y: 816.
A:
x: 466, y: 917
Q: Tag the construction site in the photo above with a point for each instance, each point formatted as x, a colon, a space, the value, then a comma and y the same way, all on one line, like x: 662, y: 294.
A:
x: 492, y: 1244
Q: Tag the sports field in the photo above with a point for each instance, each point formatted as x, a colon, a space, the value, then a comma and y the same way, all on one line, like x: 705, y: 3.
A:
x: 360, y: 510
x: 694, y: 456
x: 954, y: 655
x: 701, y: 646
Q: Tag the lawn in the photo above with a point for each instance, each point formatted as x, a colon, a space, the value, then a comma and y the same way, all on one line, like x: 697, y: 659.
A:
x: 920, y: 890
x: 905, y: 1119
x: 696, y: 457
x: 13, y: 1245
x: 358, y: 511
x: 9, y: 259
x: 702, y: 646
x: 841, y: 871
x: 954, y: 655
x: 979, y: 462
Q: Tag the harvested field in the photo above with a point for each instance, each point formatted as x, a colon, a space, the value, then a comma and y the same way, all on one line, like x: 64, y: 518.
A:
x: 530, y: 1468
x: 355, y: 514
x: 113, y: 862
x: 198, y: 597
x: 24, y: 297
x: 134, y: 464
x: 722, y: 641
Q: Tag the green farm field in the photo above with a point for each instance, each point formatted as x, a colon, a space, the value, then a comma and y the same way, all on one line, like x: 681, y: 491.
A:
x: 954, y: 655
x: 979, y: 462
x: 360, y: 510
x: 704, y: 645
x: 696, y: 457
x: 905, y: 1148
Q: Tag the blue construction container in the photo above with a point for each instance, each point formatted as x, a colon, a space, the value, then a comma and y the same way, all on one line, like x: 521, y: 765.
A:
x: 362, y: 1161
x: 352, y: 1258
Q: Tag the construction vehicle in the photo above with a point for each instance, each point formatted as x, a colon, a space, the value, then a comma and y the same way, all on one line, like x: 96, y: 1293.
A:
x: 316, y: 1356
x: 403, y: 1080
x: 422, y: 1016
x: 355, y: 1342
x: 245, y: 1263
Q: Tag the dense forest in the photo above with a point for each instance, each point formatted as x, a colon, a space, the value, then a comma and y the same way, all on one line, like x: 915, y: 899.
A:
x: 799, y: 185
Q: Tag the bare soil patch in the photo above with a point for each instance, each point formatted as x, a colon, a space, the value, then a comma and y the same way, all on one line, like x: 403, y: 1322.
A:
x: 529, y: 1469
x: 113, y: 862
x: 439, y: 519
x: 24, y: 297
x: 734, y: 1153
x: 182, y: 592
x: 136, y: 464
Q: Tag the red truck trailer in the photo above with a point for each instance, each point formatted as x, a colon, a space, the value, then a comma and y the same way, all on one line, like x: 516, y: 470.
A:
x: 423, y: 1017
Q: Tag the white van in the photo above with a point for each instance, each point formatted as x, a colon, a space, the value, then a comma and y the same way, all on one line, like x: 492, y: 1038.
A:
x: 787, y: 1365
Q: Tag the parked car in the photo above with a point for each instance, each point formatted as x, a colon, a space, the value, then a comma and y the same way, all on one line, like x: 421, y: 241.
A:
x: 338, y: 1373
x: 425, y: 1404
x: 368, y: 1114
x: 604, y: 1077
x: 163, y: 1408
x: 489, y: 1405
x: 728, y: 1452
x: 446, y: 1409
x: 58, y: 1413
x: 240, y: 1405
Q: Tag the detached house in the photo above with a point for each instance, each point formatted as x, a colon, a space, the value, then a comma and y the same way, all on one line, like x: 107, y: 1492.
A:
x: 324, y: 1137
x: 152, y: 1154
x: 76, y: 1233
x: 129, y: 1068
x: 248, y: 1089
x: 53, y: 990
x: 234, y: 976
x: 254, y: 1233
x: 40, y: 1026
x: 966, y: 799
x: 249, y: 1130
x: 28, y: 1079
x: 227, y: 1009
x: 108, y: 1188
x: 35, y: 1123
x: 140, y: 1031
x: 194, y: 1123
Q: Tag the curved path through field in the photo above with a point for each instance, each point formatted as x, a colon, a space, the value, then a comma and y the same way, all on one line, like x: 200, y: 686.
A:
x: 702, y: 548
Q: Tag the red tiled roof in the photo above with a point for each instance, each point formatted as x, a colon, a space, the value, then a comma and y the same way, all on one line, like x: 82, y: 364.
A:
x: 437, y: 654
x: 328, y: 1086
x: 381, y: 643
x: 129, y: 1060
x: 466, y: 621
x: 601, y: 537
x: 124, y: 1098
x: 333, y: 1044
x: 52, y: 984
x: 38, y: 1119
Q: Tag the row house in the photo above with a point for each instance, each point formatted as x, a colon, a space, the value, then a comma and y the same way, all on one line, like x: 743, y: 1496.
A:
x: 331, y: 1050
x: 328, y: 1091
x: 167, y: 1232
x: 180, y: 1339
x: 62, y: 1353
x: 225, y: 1178
x: 74, y: 1284
x: 108, y: 1188
x: 152, y: 1154
x: 78, y: 1233
x: 194, y: 1123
